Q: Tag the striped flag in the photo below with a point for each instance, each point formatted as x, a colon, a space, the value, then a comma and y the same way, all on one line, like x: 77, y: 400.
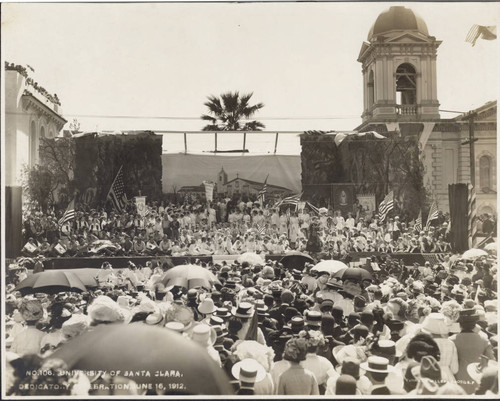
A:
x: 472, y: 216
x: 386, y: 206
x: 262, y: 192
x: 116, y: 193
x: 485, y: 32
x: 418, y: 222
x: 433, y: 214
x: 313, y: 208
x: 290, y: 200
x: 260, y: 228
x: 68, y: 214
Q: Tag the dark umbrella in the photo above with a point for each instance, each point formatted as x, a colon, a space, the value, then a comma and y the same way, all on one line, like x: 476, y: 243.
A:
x: 87, y: 275
x: 354, y: 273
x: 153, y: 354
x: 189, y: 276
x: 295, y: 260
x: 51, y: 282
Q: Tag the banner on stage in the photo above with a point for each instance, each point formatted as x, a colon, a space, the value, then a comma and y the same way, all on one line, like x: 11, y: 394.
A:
x: 60, y: 248
x: 343, y: 197
x: 140, y: 203
x: 367, y: 202
x: 209, y: 190
x: 224, y: 258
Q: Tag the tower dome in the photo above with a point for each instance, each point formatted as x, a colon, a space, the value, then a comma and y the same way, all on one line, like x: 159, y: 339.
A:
x: 398, y: 18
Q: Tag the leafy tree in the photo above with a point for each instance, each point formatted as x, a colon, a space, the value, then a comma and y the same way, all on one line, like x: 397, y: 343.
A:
x: 39, y: 186
x: 225, y: 113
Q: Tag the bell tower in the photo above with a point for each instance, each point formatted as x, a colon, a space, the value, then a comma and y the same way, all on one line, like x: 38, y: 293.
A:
x: 399, y: 70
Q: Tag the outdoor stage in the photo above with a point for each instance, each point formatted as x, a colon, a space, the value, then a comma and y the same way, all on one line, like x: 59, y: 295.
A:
x: 121, y: 261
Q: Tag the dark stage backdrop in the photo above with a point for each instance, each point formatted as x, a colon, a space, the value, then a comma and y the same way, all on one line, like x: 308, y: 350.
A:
x: 370, y: 163
x: 13, y: 222
x: 99, y: 157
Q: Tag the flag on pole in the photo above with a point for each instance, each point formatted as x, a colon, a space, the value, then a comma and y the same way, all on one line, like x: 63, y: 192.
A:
x: 290, y: 200
x: 116, y: 193
x: 433, y: 214
x: 260, y: 228
x: 485, y: 32
x: 418, y: 222
x: 472, y: 216
x: 386, y: 206
x: 68, y: 214
x: 262, y: 192
x: 313, y: 208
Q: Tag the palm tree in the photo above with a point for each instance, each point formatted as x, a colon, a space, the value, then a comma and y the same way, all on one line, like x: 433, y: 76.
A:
x: 226, y: 113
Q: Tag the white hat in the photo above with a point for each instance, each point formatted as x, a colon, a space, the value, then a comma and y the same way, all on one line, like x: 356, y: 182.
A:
x: 204, y: 335
x: 75, y: 325
x: 248, y: 370
x: 104, y: 309
x: 207, y: 306
x: 435, y: 323
x: 377, y: 364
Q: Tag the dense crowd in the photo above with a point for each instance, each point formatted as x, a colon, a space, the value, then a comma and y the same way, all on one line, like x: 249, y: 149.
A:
x: 227, y: 226
x: 398, y: 330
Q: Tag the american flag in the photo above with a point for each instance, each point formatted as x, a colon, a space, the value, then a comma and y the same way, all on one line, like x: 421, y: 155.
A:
x: 418, y: 222
x: 116, y: 193
x: 386, y: 206
x: 260, y: 228
x: 313, y: 208
x: 68, y: 214
x: 485, y: 32
x: 290, y: 200
x: 433, y: 214
x: 262, y: 192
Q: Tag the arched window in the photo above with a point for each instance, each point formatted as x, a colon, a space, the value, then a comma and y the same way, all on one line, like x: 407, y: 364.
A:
x: 42, y: 132
x: 371, y: 89
x: 406, y: 85
x: 33, y: 141
x: 485, y: 173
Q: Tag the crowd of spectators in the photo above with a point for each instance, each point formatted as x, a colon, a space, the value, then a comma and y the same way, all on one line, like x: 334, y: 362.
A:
x: 226, y: 226
x: 427, y: 330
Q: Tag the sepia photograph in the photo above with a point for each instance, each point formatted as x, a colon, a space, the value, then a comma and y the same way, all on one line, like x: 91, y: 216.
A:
x: 268, y: 199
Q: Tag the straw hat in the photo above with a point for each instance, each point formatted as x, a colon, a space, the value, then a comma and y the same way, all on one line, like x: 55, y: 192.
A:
x: 248, y: 370
x: 377, y: 364
x: 477, y: 369
x: 244, y: 310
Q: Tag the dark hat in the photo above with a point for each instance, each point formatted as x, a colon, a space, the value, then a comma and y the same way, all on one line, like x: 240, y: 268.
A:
x: 216, y: 321
x: 334, y: 283
x: 289, y: 313
x: 367, y: 318
x: 468, y: 315
x: 296, y: 324
x: 337, y: 313
x: 326, y: 304
x: 327, y: 323
x: 353, y: 317
x: 359, y: 301
x: 192, y: 294
x: 262, y: 311
x: 395, y: 325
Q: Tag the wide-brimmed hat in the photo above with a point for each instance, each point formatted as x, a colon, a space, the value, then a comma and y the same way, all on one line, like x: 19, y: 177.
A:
x: 335, y: 283
x: 176, y: 326
x: 31, y: 310
x: 154, y: 318
x: 435, y: 323
x: 428, y: 372
x: 477, y: 369
x: 243, y: 310
x: 386, y: 348
x: 104, y: 310
x: 262, y: 311
x: 221, y: 331
x: 222, y: 312
x: 207, y: 306
x: 342, y: 353
x: 248, y: 371
x: 377, y: 364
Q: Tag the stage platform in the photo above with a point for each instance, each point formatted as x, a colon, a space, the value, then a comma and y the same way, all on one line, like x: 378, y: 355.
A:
x: 121, y: 261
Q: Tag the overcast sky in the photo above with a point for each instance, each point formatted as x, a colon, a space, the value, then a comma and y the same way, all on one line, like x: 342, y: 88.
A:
x: 299, y: 59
